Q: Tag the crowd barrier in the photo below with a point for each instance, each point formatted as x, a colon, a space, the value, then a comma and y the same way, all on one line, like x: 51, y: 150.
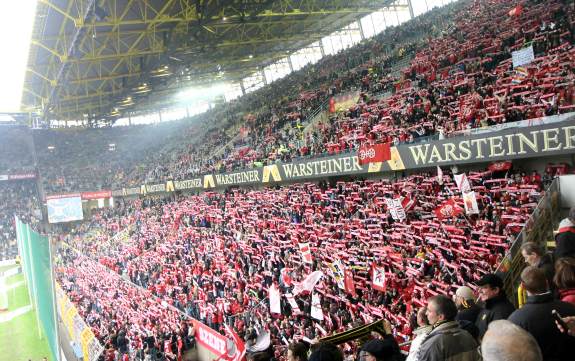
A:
x: 538, y: 229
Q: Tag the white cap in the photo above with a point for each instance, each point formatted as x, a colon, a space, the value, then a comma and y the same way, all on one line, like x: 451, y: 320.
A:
x: 465, y: 293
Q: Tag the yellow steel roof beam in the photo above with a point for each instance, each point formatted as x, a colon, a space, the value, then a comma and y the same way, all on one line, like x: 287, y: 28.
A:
x: 159, y: 15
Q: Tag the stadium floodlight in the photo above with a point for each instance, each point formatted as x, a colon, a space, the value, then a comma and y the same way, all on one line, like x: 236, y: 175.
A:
x: 143, y: 88
x: 162, y: 71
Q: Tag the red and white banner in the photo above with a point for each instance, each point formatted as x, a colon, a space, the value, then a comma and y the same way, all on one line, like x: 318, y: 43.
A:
x: 60, y: 196
x: 448, y: 209
x: 308, y: 284
x: 500, y: 166
x: 349, y: 283
x: 374, y: 153
x: 407, y: 203
x: 378, y: 280
x: 462, y: 183
x: 395, y: 209
x: 305, y: 253
x: 274, y: 294
x: 316, y: 311
x: 210, y: 339
x: 516, y: 11
x: 96, y: 195
x: 285, y: 277
x: 293, y: 304
x: 237, y: 352
x: 470, y: 203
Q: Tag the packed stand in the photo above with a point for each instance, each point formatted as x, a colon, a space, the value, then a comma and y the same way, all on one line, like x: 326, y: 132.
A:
x: 17, y: 198
x: 214, y: 256
x: 239, y: 134
x: 15, y: 154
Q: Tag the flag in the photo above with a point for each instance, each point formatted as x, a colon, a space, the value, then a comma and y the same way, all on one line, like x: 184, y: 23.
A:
x: 395, y: 209
x: 470, y: 203
x: 274, y: 294
x: 308, y: 284
x: 316, y: 311
x: 439, y: 175
x: 520, y: 75
x: 239, y: 346
x: 374, y: 153
x: 349, y: 283
x: 285, y: 277
x: 293, y: 304
x: 500, y: 166
x: 462, y: 183
x: 516, y: 11
x: 378, y: 280
x: 305, y: 253
x: 338, y: 271
x: 448, y: 209
x: 407, y: 203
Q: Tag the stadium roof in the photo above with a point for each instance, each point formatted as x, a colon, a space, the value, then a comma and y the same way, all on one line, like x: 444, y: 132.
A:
x: 88, y: 57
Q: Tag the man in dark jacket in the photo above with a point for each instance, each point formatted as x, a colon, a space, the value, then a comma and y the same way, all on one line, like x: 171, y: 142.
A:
x: 496, y: 304
x: 446, y: 341
x: 536, y: 317
x: 534, y: 255
x: 467, y: 309
x: 565, y: 237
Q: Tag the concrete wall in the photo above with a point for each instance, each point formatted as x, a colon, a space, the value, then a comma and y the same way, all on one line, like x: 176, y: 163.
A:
x: 567, y: 186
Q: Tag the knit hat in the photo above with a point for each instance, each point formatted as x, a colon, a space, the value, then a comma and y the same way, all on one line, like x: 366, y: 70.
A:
x: 465, y: 293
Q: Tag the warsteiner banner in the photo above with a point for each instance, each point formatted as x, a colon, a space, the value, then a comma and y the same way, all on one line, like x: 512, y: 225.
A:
x: 548, y: 139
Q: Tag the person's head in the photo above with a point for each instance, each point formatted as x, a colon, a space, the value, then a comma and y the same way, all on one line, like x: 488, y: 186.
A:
x: 440, y: 308
x: 565, y: 273
x: 378, y: 349
x: 490, y: 286
x: 326, y: 351
x: 297, y: 351
x: 422, y: 317
x: 464, y: 297
x: 505, y: 341
x: 534, y: 281
x: 532, y: 253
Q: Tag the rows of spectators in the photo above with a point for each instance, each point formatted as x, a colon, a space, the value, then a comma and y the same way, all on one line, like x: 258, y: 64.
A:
x: 17, y: 198
x: 214, y: 256
x: 462, y: 77
x: 269, y: 117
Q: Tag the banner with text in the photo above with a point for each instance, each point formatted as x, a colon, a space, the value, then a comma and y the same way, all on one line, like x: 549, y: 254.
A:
x: 548, y: 139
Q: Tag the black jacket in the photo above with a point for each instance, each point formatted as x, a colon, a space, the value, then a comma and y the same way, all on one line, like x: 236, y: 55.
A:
x: 496, y: 308
x: 468, y: 314
x: 535, y: 317
x: 565, y: 240
x: 547, y: 266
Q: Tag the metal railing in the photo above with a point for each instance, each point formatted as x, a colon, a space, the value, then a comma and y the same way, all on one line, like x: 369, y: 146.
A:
x: 538, y: 228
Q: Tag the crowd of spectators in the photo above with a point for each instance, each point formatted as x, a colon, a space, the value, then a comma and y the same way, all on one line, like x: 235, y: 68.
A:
x: 138, y: 272
x: 461, y: 77
x: 17, y: 198
x: 275, y: 114
x: 214, y: 256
